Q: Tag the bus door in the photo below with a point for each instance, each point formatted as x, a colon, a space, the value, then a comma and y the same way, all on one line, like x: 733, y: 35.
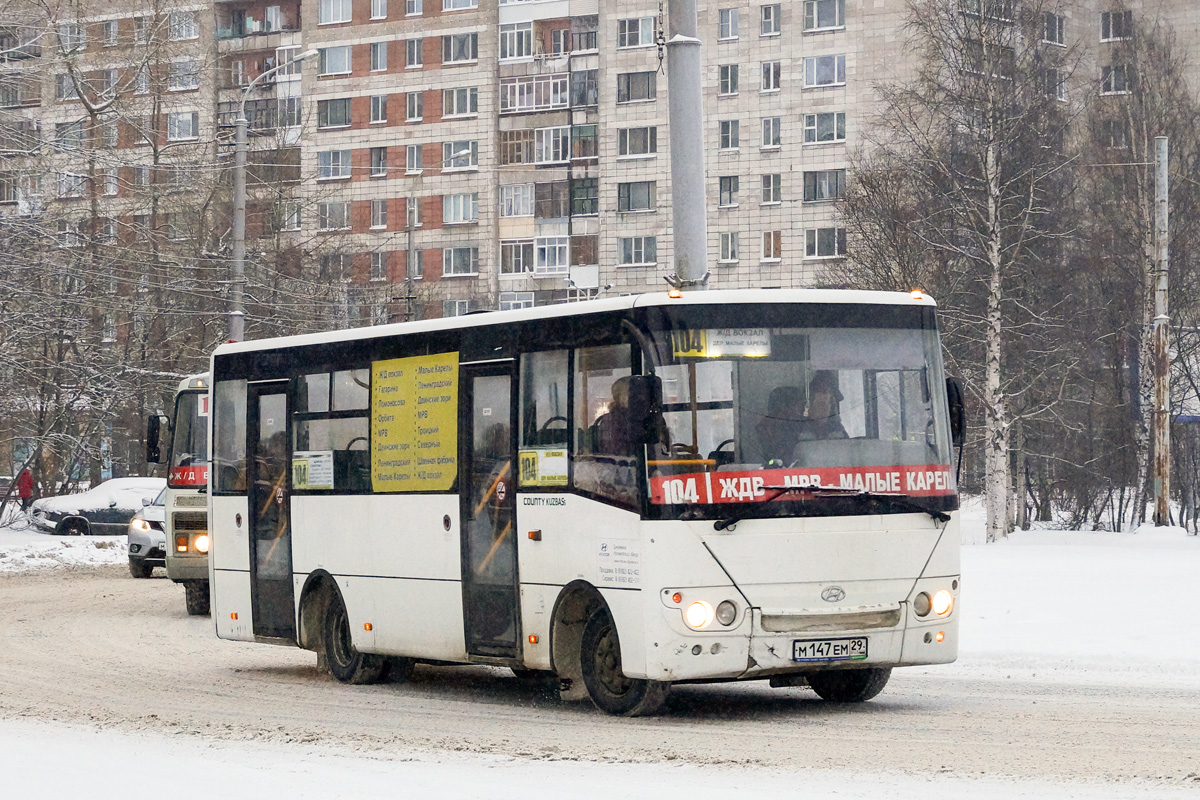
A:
x: 269, y: 459
x: 487, y: 481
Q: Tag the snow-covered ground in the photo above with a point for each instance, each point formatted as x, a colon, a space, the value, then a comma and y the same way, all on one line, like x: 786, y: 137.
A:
x: 1103, y: 608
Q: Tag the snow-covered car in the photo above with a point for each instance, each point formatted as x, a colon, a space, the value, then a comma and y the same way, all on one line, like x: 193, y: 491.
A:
x: 103, y: 510
x: 147, y: 539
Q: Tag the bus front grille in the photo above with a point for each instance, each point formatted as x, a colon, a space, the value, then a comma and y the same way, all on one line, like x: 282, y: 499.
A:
x: 849, y: 621
x: 190, y: 521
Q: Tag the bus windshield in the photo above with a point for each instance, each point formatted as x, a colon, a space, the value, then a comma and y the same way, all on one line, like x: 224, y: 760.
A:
x: 749, y: 410
x: 189, y: 441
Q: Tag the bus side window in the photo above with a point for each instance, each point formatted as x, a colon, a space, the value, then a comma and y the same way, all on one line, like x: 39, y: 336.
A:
x: 229, y: 457
x: 605, y: 459
x: 543, y: 419
x: 330, y: 431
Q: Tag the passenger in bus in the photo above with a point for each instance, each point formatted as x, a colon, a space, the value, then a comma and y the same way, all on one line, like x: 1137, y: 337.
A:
x: 613, y: 431
x: 779, y: 429
x: 823, y: 420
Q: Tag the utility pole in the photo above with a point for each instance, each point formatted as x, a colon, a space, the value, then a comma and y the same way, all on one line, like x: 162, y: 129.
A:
x: 1162, y: 364
x: 685, y: 121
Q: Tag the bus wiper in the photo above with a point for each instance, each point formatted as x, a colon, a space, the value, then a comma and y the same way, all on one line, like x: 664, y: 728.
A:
x: 895, y: 502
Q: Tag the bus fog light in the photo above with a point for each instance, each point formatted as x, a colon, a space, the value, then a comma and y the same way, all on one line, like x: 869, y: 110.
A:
x: 943, y: 601
x: 202, y: 543
x: 922, y: 604
x: 698, y: 615
x: 726, y: 612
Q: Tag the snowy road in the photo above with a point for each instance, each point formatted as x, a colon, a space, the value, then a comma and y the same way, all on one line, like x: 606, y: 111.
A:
x: 95, y: 647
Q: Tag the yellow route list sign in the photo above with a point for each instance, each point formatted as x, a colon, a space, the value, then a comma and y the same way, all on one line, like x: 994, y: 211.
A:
x: 414, y: 423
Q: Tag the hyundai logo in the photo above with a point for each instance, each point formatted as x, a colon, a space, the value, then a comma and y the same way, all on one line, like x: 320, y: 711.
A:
x: 833, y: 594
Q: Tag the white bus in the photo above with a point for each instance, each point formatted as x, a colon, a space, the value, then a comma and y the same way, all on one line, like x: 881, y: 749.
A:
x: 186, y: 523
x: 627, y: 493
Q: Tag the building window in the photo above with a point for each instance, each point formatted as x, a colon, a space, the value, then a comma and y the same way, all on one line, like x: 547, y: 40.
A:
x: 637, y: 250
x: 288, y: 216
x: 551, y: 145
x: 141, y: 30
x: 772, y: 245
x: 585, y: 197
x: 516, y: 40
x: 460, y: 208
x: 830, y: 127
x: 1115, y: 25
x: 560, y: 42
x: 824, y: 71
x: 824, y: 185
x: 71, y: 184
x: 460, y: 261
x: 1115, y: 79
x: 379, y: 162
x: 379, y: 56
x: 460, y: 48
x: 516, y: 200
x: 332, y: 12
x: 551, y: 255
x: 635, y: 142
x: 729, y: 134
x: 379, y: 9
x: 772, y: 189
x: 72, y: 36
x: 728, y: 186
x: 110, y: 183
x: 412, y: 213
x: 727, y: 23
x: 460, y: 155
x: 771, y: 136
x: 183, y: 25
x: 511, y: 301
x: 414, y: 8
x: 379, y: 107
x: 333, y: 165
x: 636, y: 196
x: 769, y: 20
x: 585, y: 143
x: 824, y: 14
x: 1113, y: 134
x: 516, y: 147
x: 552, y: 200
x: 585, y: 88
x: 516, y: 256
x: 1054, y: 30
x: 333, y: 216
x: 379, y: 212
x: 1055, y: 83
x: 459, y: 5
x: 727, y: 79
x: 413, y: 50
x: 64, y: 87
x: 333, y: 113
x: 379, y: 266
x: 534, y: 93
x: 729, y: 247
x: 333, y: 60
x: 824, y: 242
x: 183, y: 125
x: 108, y: 33
x: 771, y: 72
x: 635, y: 32
x: 633, y: 87
x: 183, y: 76
x: 460, y: 102
x: 413, y: 159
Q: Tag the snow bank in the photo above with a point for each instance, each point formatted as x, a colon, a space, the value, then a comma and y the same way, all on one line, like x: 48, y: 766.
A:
x: 23, y: 548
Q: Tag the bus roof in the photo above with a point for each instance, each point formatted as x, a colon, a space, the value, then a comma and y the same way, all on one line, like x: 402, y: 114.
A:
x: 719, y: 296
x: 198, y: 382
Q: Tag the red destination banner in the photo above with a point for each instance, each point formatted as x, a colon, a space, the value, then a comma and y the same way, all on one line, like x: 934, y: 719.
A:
x: 188, y: 476
x: 706, y: 488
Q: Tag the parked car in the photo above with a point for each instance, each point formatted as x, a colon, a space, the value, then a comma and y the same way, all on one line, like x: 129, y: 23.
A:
x: 104, y: 509
x: 147, y: 539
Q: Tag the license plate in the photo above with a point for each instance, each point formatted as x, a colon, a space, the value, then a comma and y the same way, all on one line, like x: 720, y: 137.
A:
x: 830, y: 649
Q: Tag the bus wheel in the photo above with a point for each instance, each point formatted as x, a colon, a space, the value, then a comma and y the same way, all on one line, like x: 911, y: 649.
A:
x: 610, y: 690
x: 195, y: 597
x: 849, y: 685
x: 344, y: 662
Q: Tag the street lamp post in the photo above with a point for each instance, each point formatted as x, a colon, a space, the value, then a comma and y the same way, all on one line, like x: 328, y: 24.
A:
x: 237, y: 281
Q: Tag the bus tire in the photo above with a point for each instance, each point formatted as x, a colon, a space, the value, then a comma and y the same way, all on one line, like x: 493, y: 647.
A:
x: 195, y: 597
x: 600, y: 663
x: 344, y: 662
x: 849, y: 685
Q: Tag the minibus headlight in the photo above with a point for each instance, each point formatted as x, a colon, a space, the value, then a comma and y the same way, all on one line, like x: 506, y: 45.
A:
x: 201, y: 543
x: 698, y: 615
x: 726, y: 612
x: 922, y: 605
x: 943, y: 601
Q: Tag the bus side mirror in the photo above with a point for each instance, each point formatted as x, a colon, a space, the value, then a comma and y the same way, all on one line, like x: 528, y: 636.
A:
x: 958, y: 411
x: 153, y: 432
x: 645, y: 408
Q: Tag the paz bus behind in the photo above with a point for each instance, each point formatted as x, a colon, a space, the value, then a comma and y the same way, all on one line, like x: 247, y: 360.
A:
x: 186, y: 522
x: 627, y: 493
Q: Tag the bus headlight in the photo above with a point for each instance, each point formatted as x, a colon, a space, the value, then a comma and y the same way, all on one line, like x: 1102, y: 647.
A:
x: 943, y: 601
x: 726, y: 612
x: 698, y: 615
x: 201, y: 543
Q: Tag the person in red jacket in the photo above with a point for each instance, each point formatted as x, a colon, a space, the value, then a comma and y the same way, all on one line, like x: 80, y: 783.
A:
x: 25, y: 489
